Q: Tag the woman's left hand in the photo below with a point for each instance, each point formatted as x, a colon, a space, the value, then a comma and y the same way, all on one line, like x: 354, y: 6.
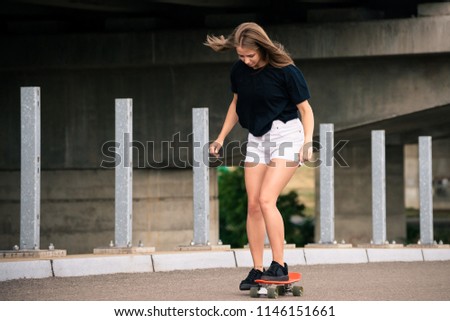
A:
x: 306, y: 152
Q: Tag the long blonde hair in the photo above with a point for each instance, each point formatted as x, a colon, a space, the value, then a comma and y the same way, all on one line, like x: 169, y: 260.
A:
x: 251, y: 36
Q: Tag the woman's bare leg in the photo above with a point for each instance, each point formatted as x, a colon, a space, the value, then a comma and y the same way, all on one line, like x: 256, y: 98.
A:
x: 277, y: 175
x: 256, y: 230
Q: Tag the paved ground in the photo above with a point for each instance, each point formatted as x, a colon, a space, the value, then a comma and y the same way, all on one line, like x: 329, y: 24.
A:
x: 418, y: 281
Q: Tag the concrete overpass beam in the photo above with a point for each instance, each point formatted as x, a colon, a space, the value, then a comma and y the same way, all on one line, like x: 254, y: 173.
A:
x: 433, y: 9
x: 343, y: 14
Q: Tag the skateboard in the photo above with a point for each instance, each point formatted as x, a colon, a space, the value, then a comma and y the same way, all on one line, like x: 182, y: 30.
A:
x: 274, y: 288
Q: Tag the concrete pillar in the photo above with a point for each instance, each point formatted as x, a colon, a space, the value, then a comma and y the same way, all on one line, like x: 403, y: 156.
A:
x: 426, y: 190
x: 124, y: 174
x: 326, y: 195
x: 30, y: 178
x: 200, y: 127
x: 378, y: 187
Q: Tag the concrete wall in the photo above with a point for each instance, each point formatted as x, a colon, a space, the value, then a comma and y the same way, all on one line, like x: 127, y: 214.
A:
x: 77, y: 112
x: 77, y: 208
x: 441, y: 174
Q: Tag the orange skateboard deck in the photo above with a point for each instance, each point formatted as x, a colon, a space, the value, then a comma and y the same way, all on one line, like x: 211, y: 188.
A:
x: 274, y: 288
x: 293, y: 277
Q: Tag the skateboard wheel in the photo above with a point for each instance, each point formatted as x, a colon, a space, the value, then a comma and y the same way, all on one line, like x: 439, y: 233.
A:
x: 281, y: 289
x: 297, y: 290
x: 254, y: 292
x: 272, y: 293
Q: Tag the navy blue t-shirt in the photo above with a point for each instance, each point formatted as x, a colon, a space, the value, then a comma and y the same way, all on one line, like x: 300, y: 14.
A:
x: 267, y: 94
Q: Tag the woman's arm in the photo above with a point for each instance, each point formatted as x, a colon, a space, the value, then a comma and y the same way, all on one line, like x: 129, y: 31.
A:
x: 230, y: 120
x: 308, y: 127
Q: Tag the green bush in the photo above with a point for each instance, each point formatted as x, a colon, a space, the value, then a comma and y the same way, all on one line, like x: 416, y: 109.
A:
x: 299, y: 229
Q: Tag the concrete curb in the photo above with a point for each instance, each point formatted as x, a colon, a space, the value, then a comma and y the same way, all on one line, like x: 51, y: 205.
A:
x: 395, y: 255
x: 184, y: 260
x: 84, y: 265
x: 32, y: 269
x: 99, y: 264
x: 436, y: 254
x: 335, y: 256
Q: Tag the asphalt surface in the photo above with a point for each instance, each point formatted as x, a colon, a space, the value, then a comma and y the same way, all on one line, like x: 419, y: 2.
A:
x: 418, y: 281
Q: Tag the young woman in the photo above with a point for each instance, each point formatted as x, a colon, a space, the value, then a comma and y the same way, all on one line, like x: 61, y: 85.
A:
x: 269, y: 91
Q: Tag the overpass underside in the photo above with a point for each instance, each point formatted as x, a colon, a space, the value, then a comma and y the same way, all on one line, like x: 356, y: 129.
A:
x: 404, y: 129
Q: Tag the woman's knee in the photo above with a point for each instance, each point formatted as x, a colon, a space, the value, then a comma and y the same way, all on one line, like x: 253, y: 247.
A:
x: 254, y: 209
x: 267, y: 201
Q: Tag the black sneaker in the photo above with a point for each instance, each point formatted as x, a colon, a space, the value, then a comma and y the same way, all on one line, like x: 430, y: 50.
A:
x: 276, y: 272
x: 250, y: 280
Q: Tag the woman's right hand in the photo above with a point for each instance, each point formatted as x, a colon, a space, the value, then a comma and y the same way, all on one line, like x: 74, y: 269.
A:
x: 215, y: 147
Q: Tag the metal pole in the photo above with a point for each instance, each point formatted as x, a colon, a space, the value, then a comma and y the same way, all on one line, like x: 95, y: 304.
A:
x: 326, y: 184
x: 200, y: 125
x: 30, y: 162
x: 124, y: 173
x: 425, y: 190
x: 378, y: 187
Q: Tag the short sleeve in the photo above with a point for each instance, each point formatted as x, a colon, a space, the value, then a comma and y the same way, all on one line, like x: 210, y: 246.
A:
x: 296, y: 85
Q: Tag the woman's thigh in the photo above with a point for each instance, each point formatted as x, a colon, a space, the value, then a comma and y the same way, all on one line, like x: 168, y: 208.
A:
x: 276, y: 177
x: 254, y: 175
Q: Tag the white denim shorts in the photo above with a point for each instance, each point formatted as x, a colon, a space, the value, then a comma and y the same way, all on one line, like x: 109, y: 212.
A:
x: 283, y: 141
